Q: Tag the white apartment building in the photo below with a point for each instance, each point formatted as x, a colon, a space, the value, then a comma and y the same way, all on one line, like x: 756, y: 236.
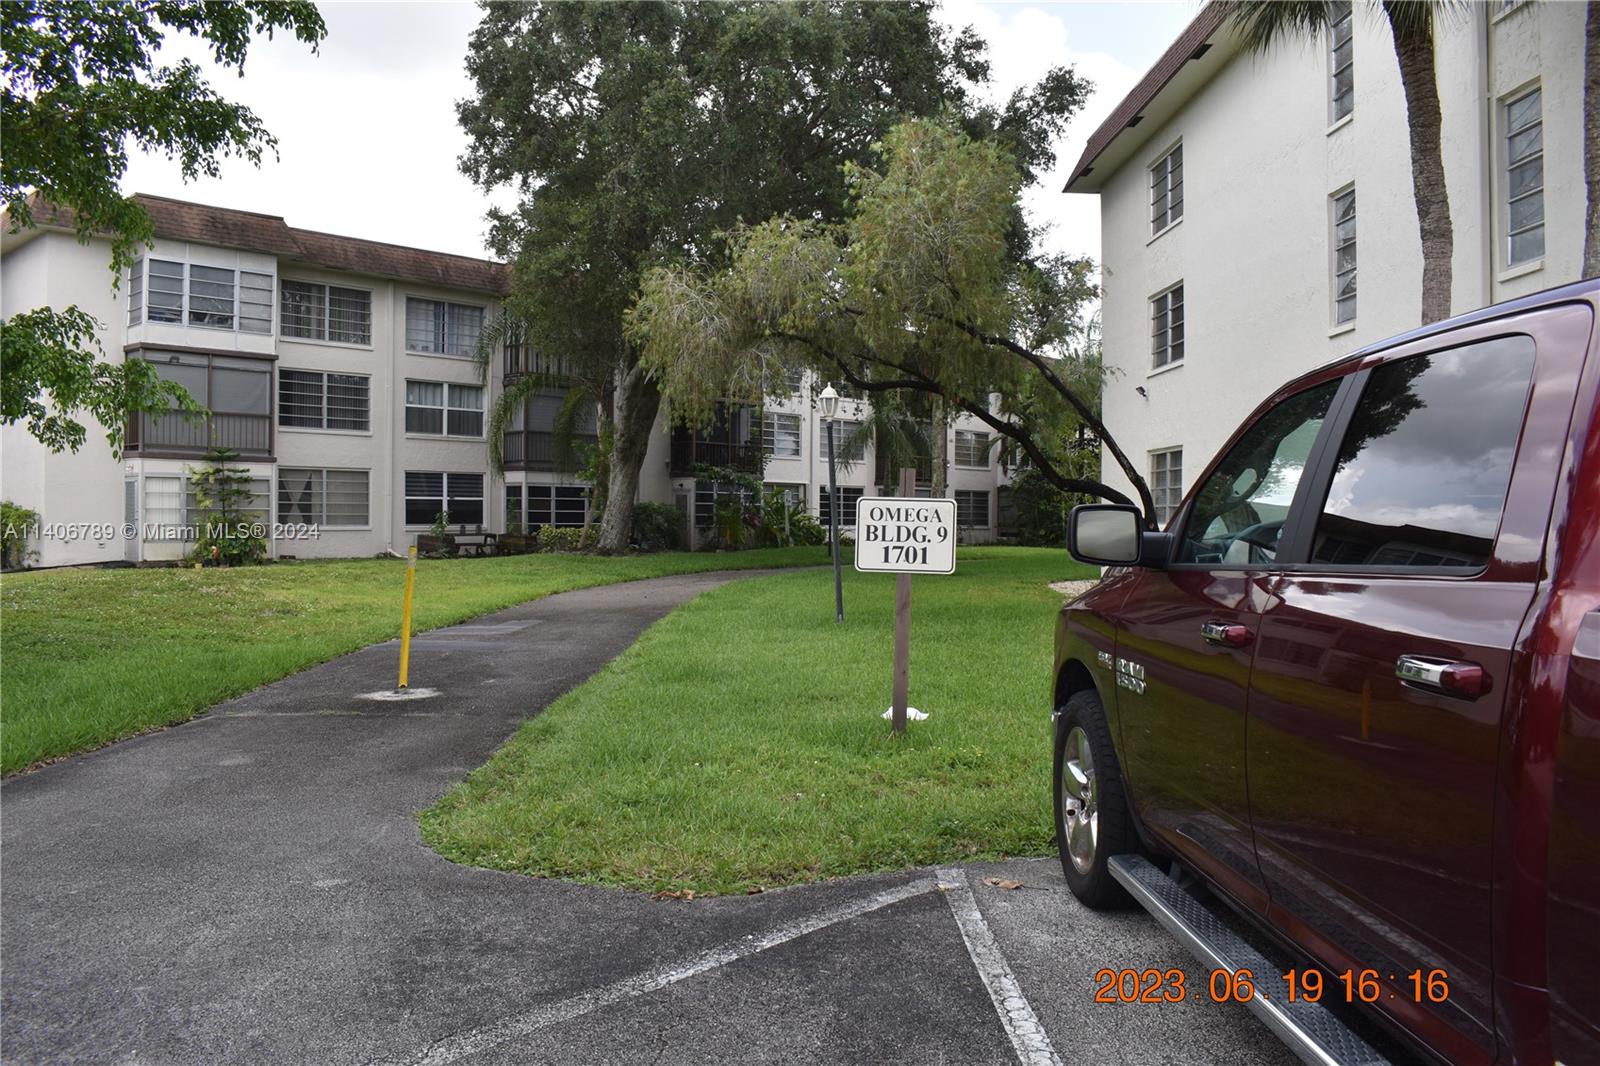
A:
x: 1238, y: 192
x: 341, y: 371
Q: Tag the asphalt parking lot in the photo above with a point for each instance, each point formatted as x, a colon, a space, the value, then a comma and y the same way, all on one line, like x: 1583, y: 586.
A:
x: 251, y: 887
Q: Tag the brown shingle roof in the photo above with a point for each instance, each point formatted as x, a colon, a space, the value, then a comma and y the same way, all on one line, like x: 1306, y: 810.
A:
x: 1196, y: 34
x: 251, y: 231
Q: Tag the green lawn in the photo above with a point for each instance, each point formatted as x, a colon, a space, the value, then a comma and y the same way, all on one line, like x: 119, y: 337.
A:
x: 89, y: 656
x: 738, y: 744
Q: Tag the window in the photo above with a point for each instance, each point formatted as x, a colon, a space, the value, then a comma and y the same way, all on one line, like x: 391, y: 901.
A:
x: 1524, y: 179
x: 514, y: 519
x: 166, y: 291
x: 459, y: 495
x: 172, y: 511
x: 972, y: 449
x: 311, y: 399
x: 216, y: 297
x: 442, y: 328
x: 1422, y: 474
x: 1344, y: 257
x: 1239, y: 512
x: 707, y: 494
x: 562, y: 506
x: 1341, y: 61
x: 322, y: 497
x: 849, y: 444
x: 163, y: 504
x: 136, y: 293
x: 1166, y: 190
x: 780, y: 435
x: 443, y: 408
x: 849, y: 497
x: 325, y: 313
x: 794, y: 493
x: 1166, y: 482
x: 237, y: 390
x: 1166, y: 328
x: 972, y: 508
x: 255, y: 508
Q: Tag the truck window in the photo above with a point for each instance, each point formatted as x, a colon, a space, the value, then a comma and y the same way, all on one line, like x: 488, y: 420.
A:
x: 1239, y: 512
x: 1425, y: 463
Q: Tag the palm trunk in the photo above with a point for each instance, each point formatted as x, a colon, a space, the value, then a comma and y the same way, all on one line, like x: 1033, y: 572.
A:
x: 1413, y: 47
x: 1591, y: 140
x: 635, y: 405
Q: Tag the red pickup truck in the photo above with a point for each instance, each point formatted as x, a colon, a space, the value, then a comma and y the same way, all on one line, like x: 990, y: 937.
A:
x: 1353, y: 691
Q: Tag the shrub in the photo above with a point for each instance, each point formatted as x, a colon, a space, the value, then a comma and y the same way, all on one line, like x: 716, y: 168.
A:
x: 16, y: 524
x: 566, y: 538
x: 657, y: 527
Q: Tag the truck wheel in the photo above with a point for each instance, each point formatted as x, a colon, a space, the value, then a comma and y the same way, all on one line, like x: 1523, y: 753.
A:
x: 1092, y: 819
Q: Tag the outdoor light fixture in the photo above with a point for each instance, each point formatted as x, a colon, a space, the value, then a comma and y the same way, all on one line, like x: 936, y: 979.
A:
x: 830, y: 407
x: 830, y: 402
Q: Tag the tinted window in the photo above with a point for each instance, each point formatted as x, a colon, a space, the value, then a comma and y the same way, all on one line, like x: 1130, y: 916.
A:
x: 1238, y: 513
x: 1423, y: 469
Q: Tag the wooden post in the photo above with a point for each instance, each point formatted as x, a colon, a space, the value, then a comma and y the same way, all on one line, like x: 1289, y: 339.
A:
x: 902, y: 621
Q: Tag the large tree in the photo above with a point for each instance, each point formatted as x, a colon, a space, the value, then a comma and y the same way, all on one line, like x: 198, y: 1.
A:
x: 636, y: 134
x: 1263, y: 23
x: 81, y: 82
x: 927, y: 286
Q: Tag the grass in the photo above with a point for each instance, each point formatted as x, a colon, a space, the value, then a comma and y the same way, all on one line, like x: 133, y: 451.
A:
x: 91, y: 656
x: 738, y: 744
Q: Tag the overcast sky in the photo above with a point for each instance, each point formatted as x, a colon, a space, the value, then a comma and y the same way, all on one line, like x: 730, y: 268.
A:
x: 368, y: 141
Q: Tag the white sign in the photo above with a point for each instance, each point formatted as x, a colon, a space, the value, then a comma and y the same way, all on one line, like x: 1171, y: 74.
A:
x: 906, y: 536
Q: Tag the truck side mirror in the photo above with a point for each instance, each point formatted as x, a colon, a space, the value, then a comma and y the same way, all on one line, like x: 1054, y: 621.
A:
x: 1110, y: 534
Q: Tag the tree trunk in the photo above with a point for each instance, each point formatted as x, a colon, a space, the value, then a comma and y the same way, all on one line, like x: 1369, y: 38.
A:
x: 1591, y: 140
x: 1413, y: 47
x: 635, y: 406
x: 941, y: 449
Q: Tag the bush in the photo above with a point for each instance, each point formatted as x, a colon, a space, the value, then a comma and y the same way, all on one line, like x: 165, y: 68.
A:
x: 657, y: 527
x: 16, y: 523
x: 567, y: 538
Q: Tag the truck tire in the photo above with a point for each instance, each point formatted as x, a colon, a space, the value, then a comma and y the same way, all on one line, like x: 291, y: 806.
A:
x: 1093, y: 822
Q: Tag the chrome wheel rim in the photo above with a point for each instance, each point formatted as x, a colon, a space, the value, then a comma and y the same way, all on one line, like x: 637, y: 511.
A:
x: 1080, y: 816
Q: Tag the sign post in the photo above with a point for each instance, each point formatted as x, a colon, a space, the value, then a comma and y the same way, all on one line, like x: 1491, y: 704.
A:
x: 405, y: 617
x: 905, y: 535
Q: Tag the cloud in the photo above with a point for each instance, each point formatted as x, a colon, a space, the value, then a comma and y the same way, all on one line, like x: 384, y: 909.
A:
x: 368, y: 139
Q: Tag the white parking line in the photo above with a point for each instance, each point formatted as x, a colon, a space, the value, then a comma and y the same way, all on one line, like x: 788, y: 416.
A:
x: 472, y: 1041
x: 1016, y: 1014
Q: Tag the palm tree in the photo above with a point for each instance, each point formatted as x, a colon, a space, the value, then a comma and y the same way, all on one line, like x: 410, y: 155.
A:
x: 1262, y: 23
x: 582, y: 389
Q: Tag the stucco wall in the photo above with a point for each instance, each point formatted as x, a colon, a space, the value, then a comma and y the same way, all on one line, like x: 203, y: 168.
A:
x: 1253, y: 249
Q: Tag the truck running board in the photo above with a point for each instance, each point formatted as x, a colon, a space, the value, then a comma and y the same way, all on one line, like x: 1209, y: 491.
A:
x: 1309, y: 1029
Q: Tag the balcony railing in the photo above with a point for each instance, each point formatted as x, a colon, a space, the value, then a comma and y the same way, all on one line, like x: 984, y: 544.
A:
x: 536, y: 449
x: 689, y: 452
x: 249, y: 435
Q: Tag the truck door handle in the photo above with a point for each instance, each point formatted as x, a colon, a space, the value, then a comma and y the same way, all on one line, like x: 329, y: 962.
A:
x: 1229, y: 636
x: 1442, y: 675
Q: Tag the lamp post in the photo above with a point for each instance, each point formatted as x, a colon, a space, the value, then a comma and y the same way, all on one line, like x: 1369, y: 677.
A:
x: 830, y: 407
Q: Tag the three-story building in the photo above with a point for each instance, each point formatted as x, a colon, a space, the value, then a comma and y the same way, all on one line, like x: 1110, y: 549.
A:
x: 342, y: 373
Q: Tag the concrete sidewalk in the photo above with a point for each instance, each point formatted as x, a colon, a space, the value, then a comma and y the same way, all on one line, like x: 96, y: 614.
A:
x: 250, y: 887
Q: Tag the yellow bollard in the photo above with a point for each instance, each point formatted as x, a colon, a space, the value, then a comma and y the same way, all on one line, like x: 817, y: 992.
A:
x: 405, y: 615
